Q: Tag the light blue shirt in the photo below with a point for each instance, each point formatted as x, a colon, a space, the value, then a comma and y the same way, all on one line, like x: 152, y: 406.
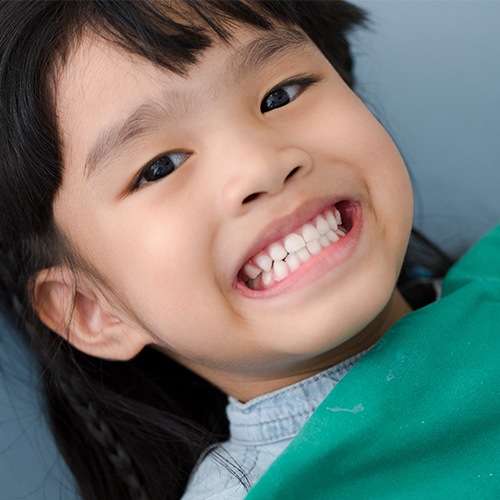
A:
x: 259, y: 431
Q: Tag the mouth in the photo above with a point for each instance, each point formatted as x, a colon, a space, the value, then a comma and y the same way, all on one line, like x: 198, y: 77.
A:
x: 284, y: 257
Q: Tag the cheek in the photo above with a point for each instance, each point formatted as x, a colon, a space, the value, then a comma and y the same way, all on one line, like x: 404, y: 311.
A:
x: 348, y: 139
x: 168, y: 278
x: 163, y: 254
x: 372, y: 153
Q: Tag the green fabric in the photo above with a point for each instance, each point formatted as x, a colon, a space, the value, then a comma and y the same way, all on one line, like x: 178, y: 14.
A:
x: 419, y: 416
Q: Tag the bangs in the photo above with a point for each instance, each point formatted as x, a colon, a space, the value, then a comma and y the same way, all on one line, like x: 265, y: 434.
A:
x: 173, y: 33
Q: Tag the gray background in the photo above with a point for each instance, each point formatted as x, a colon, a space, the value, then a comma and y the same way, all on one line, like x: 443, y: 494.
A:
x: 430, y: 71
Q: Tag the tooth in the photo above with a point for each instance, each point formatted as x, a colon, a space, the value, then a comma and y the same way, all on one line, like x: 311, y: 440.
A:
x: 264, y: 262
x: 267, y: 278
x: 314, y: 247
x: 277, y: 252
x: 330, y: 218
x: 293, y: 261
x: 251, y: 271
x: 322, y: 225
x: 310, y: 233
x: 340, y: 232
x: 338, y: 217
x: 293, y: 242
x: 280, y: 269
x: 324, y: 241
x: 333, y: 237
x: 303, y: 255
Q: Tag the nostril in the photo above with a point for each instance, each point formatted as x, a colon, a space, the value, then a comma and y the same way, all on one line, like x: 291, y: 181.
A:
x: 292, y: 173
x: 254, y: 196
x: 251, y: 197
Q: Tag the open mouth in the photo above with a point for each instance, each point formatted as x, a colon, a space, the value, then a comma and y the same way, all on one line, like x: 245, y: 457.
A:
x: 288, y: 254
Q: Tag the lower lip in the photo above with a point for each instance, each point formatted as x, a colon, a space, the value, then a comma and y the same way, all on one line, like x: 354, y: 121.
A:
x: 329, y: 259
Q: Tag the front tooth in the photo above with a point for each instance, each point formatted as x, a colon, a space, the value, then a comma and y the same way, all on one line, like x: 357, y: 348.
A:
x: 251, y: 271
x: 264, y: 261
x: 293, y: 243
x: 303, y: 255
x: 314, y: 247
x: 330, y: 218
x: 267, y: 278
x: 338, y: 217
x: 293, y: 261
x: 322, y: 225
x: 277, y: 252
x: 281, y: 270
x: 310, y: 233
x: 333, y: 237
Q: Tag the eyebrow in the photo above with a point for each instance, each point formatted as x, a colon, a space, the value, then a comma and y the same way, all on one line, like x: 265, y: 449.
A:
x: 141, y: 121
x: 147, y: 116
x: 262, y: 50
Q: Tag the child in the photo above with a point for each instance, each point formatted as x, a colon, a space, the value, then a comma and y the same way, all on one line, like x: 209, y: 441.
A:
x: 197, y: 204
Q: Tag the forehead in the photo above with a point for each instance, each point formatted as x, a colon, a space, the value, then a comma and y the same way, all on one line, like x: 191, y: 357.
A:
x: 244, y: 48
x: 107, y: 88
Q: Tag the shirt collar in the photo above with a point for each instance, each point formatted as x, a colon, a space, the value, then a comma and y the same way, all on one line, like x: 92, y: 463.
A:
x: 281, y: 414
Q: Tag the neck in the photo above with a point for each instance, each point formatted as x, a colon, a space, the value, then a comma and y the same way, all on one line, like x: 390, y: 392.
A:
x: 244, y: 388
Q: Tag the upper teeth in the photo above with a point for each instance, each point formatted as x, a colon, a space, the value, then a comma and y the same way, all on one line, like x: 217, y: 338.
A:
x: 285, y: 256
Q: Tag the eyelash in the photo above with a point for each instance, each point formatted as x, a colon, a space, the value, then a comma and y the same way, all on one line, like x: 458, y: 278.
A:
x: 160, y: 168
x: 273, y: 100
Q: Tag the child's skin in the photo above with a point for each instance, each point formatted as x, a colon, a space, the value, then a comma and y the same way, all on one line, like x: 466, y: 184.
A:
x: 165, y: 257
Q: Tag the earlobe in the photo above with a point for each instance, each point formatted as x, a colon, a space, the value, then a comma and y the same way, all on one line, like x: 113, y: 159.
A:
x: 81, y: 315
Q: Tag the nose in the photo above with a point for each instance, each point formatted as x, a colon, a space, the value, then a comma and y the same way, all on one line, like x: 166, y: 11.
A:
x: 257, y: 167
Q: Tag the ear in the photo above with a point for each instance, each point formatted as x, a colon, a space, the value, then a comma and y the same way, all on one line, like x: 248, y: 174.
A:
x: 76, y: 310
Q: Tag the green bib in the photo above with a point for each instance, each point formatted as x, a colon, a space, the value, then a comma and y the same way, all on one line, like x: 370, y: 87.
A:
x: 419, y: 416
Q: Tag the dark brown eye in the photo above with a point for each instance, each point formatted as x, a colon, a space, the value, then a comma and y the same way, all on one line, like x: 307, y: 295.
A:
x: 161, y: 167
x: 281, y: 96
x: 286, y: 92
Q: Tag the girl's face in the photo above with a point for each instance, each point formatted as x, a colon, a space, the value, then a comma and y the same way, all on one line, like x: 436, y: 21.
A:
x: 175, y: 188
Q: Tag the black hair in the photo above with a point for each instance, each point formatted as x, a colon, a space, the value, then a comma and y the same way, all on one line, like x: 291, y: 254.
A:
x: 127, y: 429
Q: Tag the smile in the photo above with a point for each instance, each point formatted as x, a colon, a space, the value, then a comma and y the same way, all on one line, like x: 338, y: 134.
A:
x: 292, y: 252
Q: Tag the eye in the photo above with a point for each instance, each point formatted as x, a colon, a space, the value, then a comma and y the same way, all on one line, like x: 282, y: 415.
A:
x: 160, y: 168
x: 285, y: 93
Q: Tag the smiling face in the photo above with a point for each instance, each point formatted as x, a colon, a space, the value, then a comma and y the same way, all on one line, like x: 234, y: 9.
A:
x: 207, y: 205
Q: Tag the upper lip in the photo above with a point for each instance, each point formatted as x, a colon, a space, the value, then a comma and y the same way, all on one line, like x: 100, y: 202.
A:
x: 284, y: 225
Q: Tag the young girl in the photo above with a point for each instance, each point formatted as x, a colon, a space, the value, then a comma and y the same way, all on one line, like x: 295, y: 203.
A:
x: 196, y: 204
